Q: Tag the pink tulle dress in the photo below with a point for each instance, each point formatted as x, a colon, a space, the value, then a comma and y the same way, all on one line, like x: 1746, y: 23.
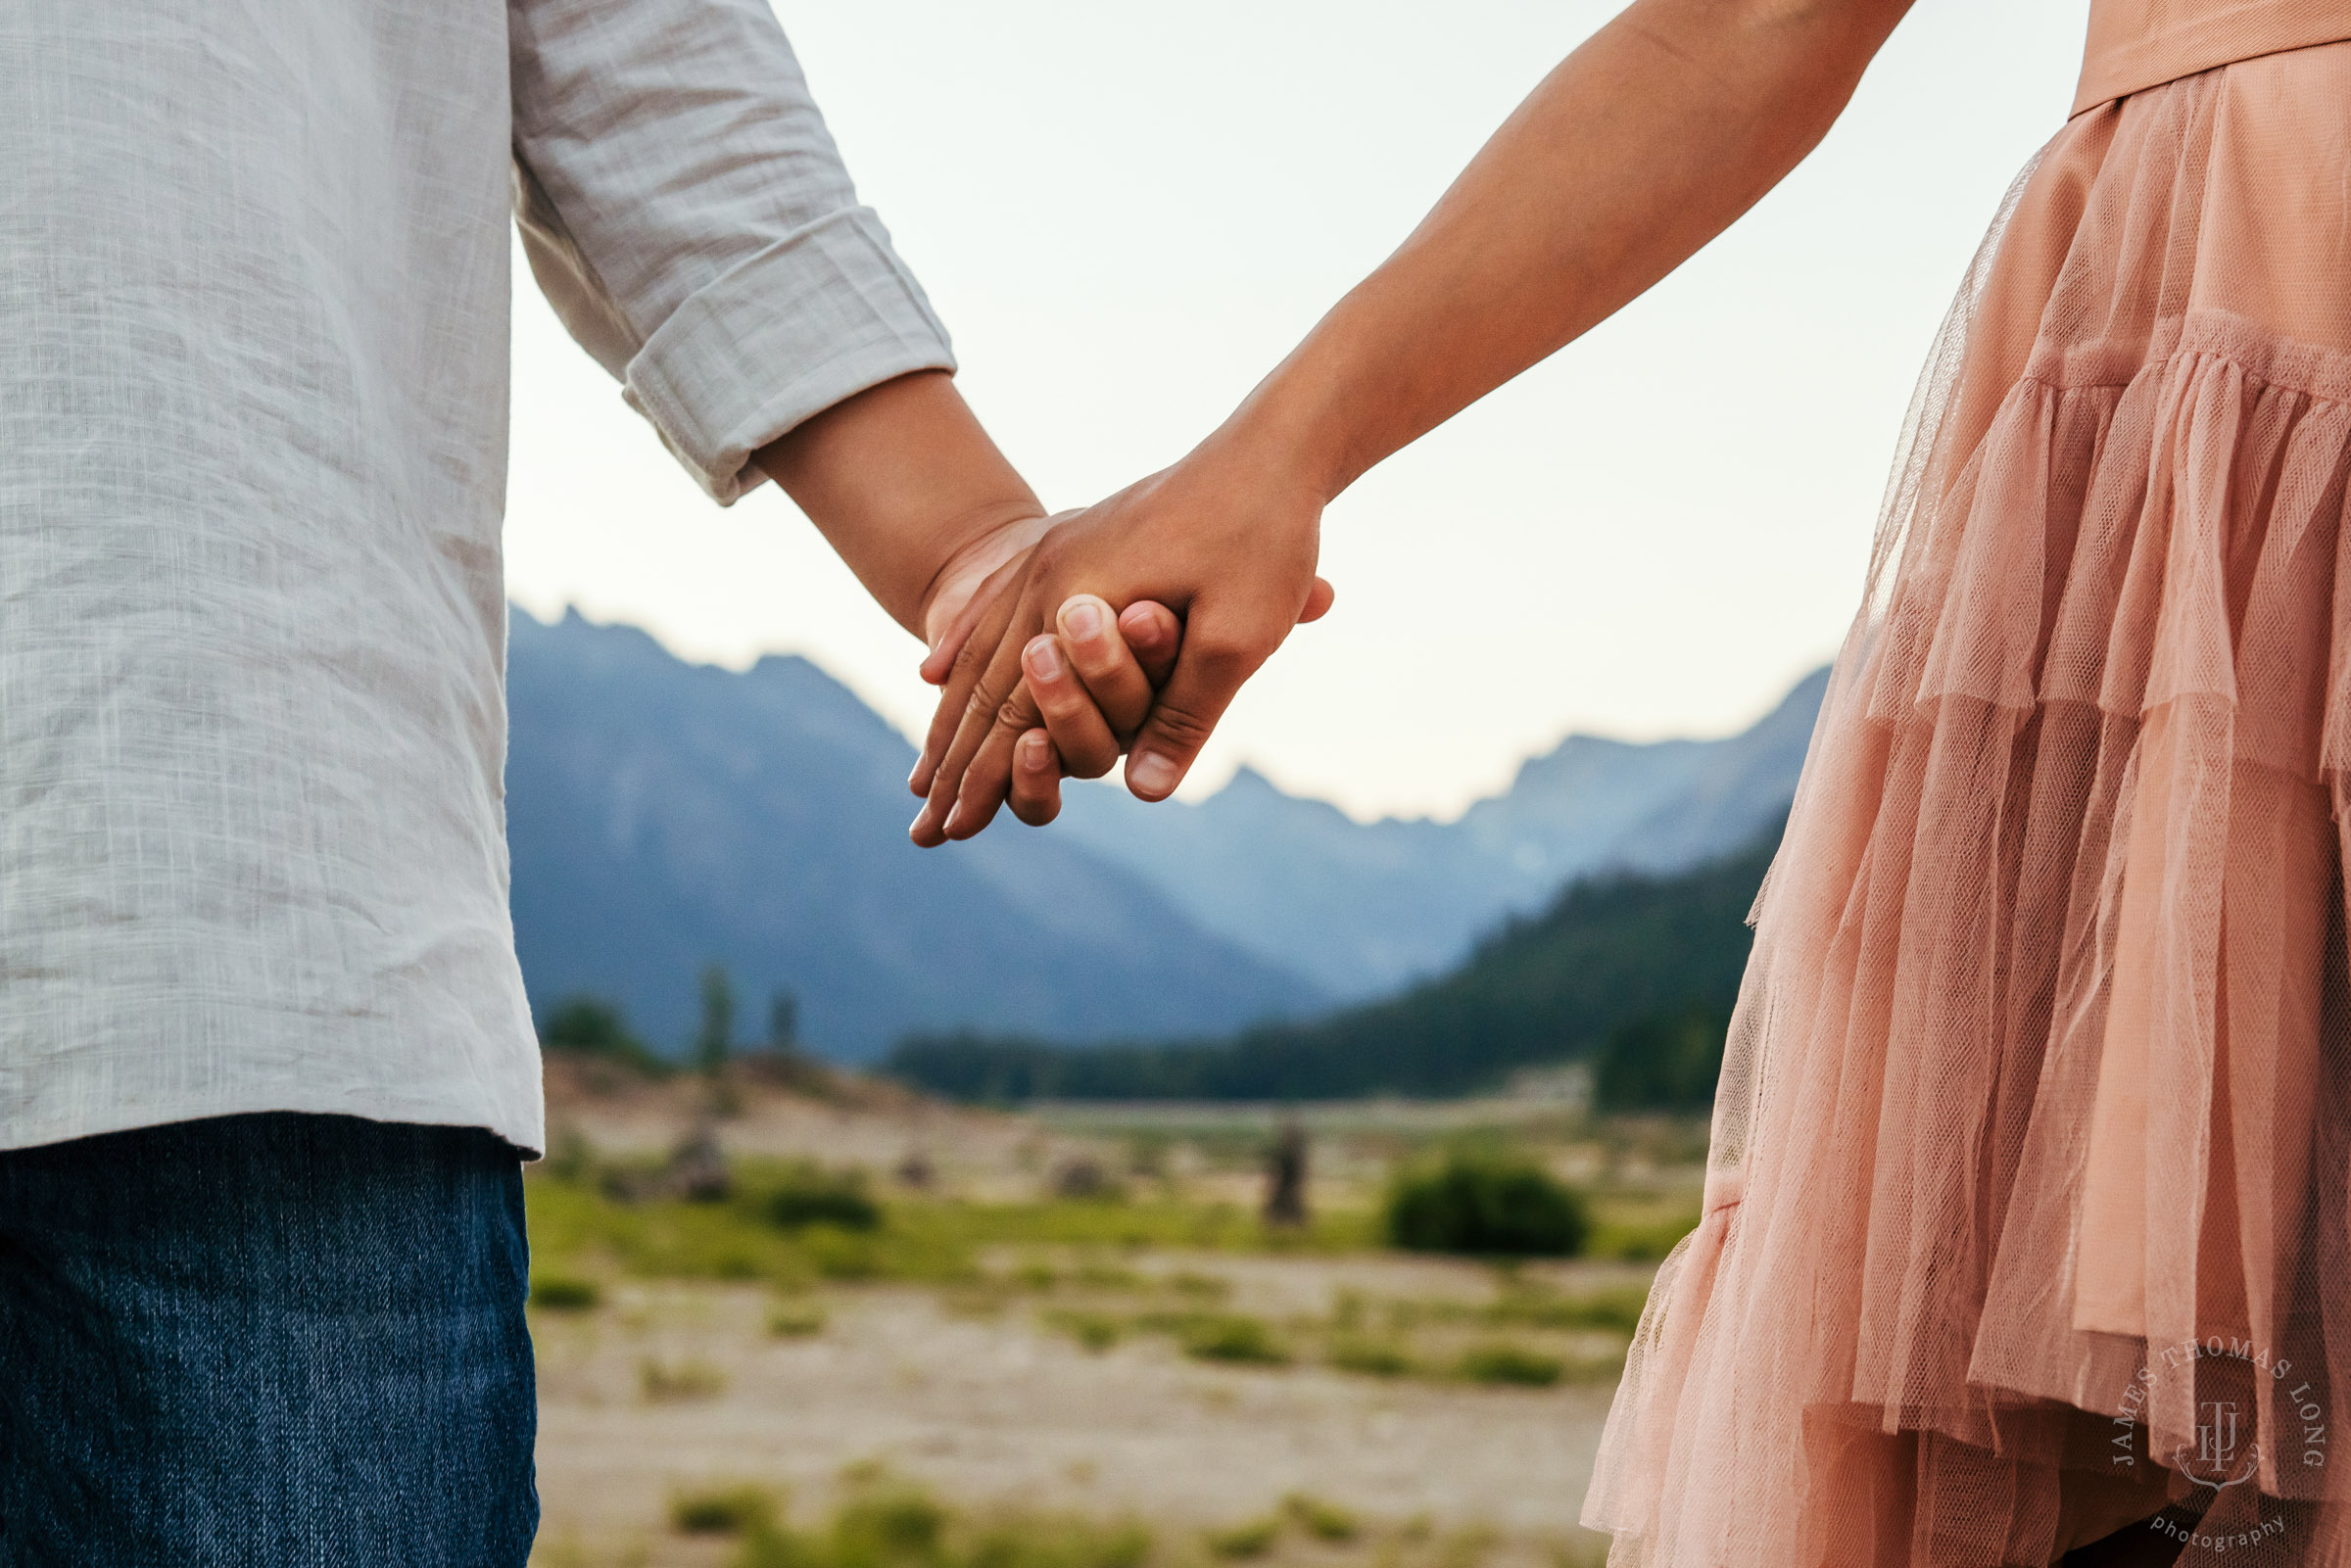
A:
x: 2026, y: 1208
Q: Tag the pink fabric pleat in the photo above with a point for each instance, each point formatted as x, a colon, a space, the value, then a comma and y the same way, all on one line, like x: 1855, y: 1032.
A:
x: 2026, y: 1205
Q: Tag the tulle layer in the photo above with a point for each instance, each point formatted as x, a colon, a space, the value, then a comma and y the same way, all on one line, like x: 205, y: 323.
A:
x: 2026, y: 1207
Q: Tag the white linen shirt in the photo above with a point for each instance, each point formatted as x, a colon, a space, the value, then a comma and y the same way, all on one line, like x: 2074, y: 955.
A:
x: 254, y: 291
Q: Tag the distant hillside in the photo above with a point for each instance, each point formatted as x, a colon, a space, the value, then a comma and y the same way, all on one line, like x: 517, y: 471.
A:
x: 663, y: 816
x: 1610, y: 957
x: 1364, y: 910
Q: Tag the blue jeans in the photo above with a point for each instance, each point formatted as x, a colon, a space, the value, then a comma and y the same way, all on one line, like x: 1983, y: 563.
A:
x: 263, y: 1341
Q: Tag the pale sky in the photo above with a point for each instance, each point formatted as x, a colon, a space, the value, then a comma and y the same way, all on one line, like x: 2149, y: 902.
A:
x: 1126, y: 214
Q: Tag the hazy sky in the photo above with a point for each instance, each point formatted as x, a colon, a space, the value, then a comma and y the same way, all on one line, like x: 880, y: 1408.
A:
x: 1126, y: 214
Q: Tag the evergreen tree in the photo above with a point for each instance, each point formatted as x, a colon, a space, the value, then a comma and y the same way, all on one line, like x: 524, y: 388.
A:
x: 715, y: 1041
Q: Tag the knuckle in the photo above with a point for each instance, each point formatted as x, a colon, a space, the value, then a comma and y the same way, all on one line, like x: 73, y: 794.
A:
x: 982, y: 701
x: 1180, y: 726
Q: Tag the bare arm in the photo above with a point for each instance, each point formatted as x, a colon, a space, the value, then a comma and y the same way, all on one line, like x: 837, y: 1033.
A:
x: 910, y: 490
x: 1647, y: 142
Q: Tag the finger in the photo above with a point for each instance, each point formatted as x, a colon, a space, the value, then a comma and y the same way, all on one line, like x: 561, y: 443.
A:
x: 1153, y: 635
x: 1116, y: 682
x: 1014, y: 544
x: 1080, y: 735
x: 972, y: 657
x: 988, y: 778
x: 997, y: 698
x: 1035, y: 796
x: 1208, y: 672
x: 1318, y: 601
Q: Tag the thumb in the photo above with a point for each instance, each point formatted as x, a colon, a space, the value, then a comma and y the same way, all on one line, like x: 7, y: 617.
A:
x: 1208, y: 673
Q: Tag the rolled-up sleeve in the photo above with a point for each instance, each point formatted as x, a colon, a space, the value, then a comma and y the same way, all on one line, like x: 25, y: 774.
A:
x: 686, y: 213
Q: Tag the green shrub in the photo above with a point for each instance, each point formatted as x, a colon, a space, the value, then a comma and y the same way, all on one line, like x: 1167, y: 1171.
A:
x: 796, y: 1318
x: 1231, y: 1337
x: 564, y: 1292
x: 1060, y: 1543
x: 810, y: 1195
x: 1324, y: 1521
x: 1200, y: 1287
x: 1252, y: 1538
x: 1511, y: 1364
x: 722, y: 1510
x: 1096, y: 1331
x: 1353, y: 1353
x: 594, y: 1027
x: 891, y: 1524
x: 690, y: 1379
x: 1486, y: 1205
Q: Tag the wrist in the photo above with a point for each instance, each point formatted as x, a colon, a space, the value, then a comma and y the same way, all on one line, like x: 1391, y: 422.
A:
x: 1293, y: 429
x: 972, y: 547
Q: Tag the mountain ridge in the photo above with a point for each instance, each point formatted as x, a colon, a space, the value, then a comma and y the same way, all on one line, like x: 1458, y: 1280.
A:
x: 666, y: 815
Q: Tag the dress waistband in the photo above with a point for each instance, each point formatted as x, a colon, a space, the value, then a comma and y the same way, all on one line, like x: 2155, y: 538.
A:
x: 2136, y: 44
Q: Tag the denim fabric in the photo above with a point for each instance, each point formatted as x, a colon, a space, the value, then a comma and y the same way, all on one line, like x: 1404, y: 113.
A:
x: 263, y: 1341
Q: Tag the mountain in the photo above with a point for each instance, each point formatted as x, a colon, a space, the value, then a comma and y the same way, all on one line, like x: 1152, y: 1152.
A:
x: 1362, y: 910
x: 1618, y: 967
x: 663, y: 816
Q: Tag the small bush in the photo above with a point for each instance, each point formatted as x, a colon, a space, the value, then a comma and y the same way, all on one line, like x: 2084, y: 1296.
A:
x: 1370, y: 1356
x: 1324, y: 1521
x: 690, y: 1379
x: 1096, y: 1331
x: 1252, y: 1538
x: 564, y: 1292
x: 795, y: 1319
x: 1511, y: 1364
x: 1200, y: 1287
x: 1060, y: 1543
x: 1487, y: 1206
x: 893, y: 1526
x: 811, y: 1195
x: 1231, y: 1337
x: 595, y: 1027
x: 722, y: 1510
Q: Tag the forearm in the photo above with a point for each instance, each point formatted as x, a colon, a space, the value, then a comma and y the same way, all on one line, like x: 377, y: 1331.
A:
x: 1646, y: 143
x: 904, y: 483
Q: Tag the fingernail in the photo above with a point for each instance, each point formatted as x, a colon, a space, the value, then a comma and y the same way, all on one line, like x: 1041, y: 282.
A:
x: 1042, y: 655
x: 953, y: 816
x: 1032, y: 753
x: 1151, y: 774
x: 1082, y: 618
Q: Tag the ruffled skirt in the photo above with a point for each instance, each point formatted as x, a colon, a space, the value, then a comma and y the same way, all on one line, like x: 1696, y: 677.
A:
x: 2026, y: 1205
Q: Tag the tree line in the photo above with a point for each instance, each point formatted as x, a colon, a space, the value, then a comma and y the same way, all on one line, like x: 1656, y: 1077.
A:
x: 1634, y: 974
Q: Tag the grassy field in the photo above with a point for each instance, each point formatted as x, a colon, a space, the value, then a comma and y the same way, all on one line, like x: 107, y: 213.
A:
x: 896, y: 1337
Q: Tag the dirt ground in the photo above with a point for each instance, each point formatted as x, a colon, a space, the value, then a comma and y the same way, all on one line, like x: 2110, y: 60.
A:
x: 999, y: 1410
x: 669, y: 1385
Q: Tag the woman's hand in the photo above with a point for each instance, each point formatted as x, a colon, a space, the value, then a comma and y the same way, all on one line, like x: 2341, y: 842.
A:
x: 1094, y: 683
x: 1226, y: 538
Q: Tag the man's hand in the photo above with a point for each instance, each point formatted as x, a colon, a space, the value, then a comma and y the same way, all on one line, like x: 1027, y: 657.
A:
x: 1227, y: 538
x: 1093, y: 679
